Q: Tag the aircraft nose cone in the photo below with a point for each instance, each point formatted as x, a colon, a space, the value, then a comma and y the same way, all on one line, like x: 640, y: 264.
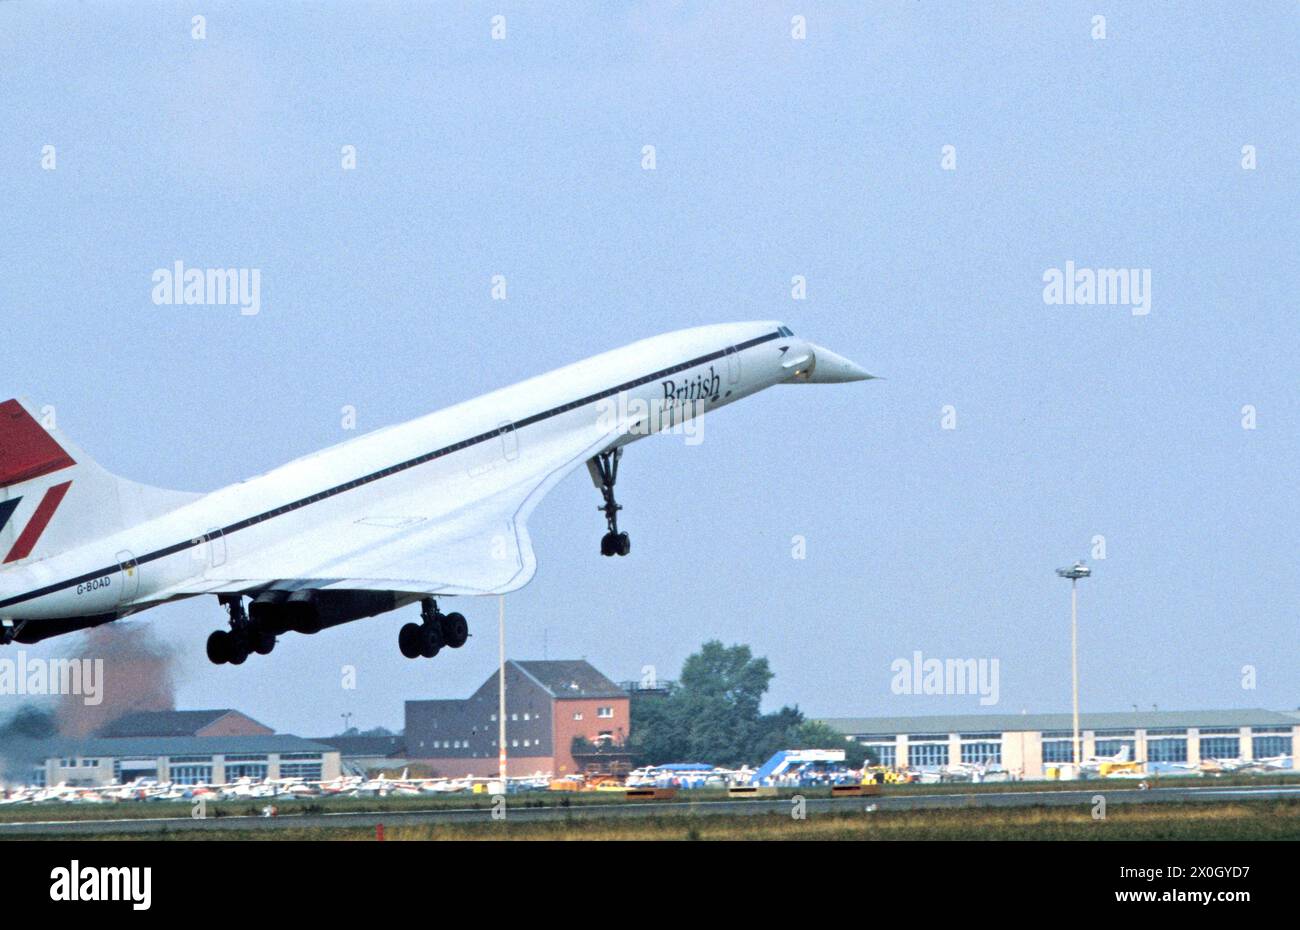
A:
x: 832, y: 368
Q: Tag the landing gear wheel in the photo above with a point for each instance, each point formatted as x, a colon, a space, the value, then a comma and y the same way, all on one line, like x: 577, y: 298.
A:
x: 410, y: 641
x: 455, y: 631
x: 219, y: 647
x: 238, y: 650
x: 431, y: 641
x: 235, y: 644
x: 608, y: 543
x: 435, y: 630
x: 623, y: 544
x: 263, y: 643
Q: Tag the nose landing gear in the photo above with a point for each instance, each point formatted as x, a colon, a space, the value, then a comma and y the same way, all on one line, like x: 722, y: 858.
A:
x: 435, y: 630
x: 606, y: 467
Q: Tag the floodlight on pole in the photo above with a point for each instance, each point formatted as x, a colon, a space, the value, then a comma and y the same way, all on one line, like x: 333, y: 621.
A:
x: 1074, y: 573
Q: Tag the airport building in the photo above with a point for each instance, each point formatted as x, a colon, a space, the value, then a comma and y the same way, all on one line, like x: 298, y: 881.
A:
x: 185, y: 760
x: 360, y: 755
x: 1027, y: 745
x: 562, y: 717
x: 183, y: 747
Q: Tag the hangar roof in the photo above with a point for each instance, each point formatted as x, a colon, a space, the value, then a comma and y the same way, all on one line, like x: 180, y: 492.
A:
x: 178, y: 745
x: 1016, y: 723
x: 393, y: 745
x: 168, y: 722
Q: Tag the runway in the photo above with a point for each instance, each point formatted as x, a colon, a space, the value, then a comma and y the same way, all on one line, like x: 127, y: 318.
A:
x: 684, y: 808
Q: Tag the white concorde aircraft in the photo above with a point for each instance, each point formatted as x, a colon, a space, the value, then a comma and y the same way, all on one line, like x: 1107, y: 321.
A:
x: 437, y: 506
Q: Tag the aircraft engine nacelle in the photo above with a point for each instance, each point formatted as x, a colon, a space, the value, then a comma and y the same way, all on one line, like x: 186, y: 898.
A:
x: 310, y: 611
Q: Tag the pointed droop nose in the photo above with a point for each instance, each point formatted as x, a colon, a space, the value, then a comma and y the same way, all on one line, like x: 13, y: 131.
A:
x: 830, y: 368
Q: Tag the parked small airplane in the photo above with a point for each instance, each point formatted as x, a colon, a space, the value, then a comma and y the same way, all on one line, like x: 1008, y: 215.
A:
x: 1121, y: 764
x: 437, y: 506
x: 1252, y: 766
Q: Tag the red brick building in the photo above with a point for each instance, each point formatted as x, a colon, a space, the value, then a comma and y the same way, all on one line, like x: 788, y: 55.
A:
x: 548, y: 705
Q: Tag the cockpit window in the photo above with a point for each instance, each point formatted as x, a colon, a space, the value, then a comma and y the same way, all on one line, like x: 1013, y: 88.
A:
x: 785, y: 331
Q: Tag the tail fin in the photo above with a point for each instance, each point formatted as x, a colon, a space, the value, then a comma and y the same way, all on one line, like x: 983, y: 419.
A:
x: 54, y: 497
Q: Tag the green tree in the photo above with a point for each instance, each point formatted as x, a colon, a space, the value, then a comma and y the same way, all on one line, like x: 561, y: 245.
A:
x: 727, y: 673
x: 775, y: 731
x: 656, y: 736
x: 713, y: 713
x: 813, y: 734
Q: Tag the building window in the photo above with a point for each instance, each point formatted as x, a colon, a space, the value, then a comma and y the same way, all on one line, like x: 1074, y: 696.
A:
x: 238, y: 770
x: 304, y: 765
x: 1221, y: 747
x: 885, y: 754
x: 1266, y: 747
x: 90, y: 763
x: 1113, y: 747
x: 307, y: 771
x: 982, y: 752
x: 577, y: 715
x: 1167, y: 750
x: 923, y: 754
x: 191, y: 774
x: 1058, y: 750
x: 605, y: 712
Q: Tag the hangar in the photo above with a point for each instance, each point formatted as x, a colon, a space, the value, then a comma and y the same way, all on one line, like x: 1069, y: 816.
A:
x: 185, y: 747
x: 1026, y: 745
x: 184, y: 760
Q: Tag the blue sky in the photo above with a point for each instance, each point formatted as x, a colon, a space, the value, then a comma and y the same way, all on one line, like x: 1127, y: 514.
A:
x: 775, y: 157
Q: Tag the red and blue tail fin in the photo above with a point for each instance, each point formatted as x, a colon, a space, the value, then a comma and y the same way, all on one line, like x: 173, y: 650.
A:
x: 53, y: 497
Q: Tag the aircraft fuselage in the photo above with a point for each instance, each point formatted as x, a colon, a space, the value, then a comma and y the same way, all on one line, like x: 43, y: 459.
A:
x: 432, y: 468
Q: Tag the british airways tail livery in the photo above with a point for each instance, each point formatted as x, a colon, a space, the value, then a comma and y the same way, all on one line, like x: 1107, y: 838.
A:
x: 435, y: 507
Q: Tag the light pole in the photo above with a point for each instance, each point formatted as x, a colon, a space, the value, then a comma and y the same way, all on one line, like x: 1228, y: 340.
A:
x: 1074, y: 573
x: 501, y: 689
x: 347, y: 716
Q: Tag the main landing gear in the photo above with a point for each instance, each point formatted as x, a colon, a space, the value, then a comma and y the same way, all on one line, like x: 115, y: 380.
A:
x: 243, y: 638
x: 613, y: 542
x: 435, y: 630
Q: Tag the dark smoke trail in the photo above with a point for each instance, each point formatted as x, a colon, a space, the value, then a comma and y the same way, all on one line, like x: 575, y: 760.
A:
x: 139, y: 674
